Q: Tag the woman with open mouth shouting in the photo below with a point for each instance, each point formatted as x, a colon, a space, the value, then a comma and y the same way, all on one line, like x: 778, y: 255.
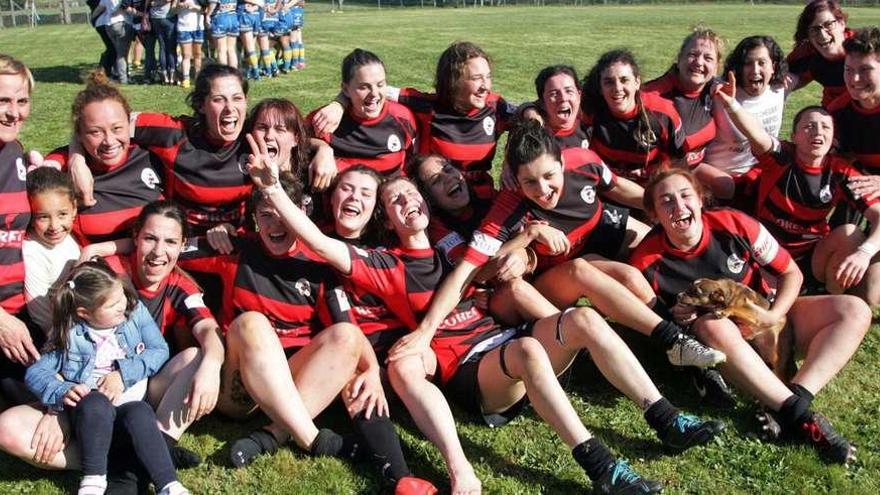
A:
x: 633, y: 131
x: 760, y: 69
x: 800, y: 183
x: 818, y: 52
x: 695, y: 243
x: 461, y: 121
x: 520, y: 362
x: 688, y: 84
x: 374, y: 131
x: 126, y: 176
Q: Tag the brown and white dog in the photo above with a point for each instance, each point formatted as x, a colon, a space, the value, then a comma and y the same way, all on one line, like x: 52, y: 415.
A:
x: 726, y: 298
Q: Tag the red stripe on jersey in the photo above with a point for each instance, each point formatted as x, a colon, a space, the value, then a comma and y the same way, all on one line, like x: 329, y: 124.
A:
x: 614, y: 139
x: 382, y: 143
x: 14, y: 219
x: 695, y: 110
x: 733, y: 245
x: 417, y: 274
x: 795, y: 201
x: 208, y: 179
x: 857, y: 131
x: 467, y: 140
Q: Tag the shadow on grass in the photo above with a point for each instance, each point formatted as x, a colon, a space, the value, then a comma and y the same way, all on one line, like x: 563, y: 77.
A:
x: 15, y: 470
x: 62, y: 73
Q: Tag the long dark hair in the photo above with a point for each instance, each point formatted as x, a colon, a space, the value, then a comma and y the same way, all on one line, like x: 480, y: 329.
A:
x: 162, y: 208
x: 372, y: 234
x: 592, y: 101
x: 528, y: 141
x: 86, y: 286
x: 357, y: 59
x: 202, y: 87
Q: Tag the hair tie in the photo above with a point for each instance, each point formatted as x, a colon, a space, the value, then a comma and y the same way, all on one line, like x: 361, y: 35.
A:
x: 71, y: 284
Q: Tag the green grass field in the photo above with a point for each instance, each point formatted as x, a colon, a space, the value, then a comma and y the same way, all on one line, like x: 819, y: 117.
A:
x: 526, y: 456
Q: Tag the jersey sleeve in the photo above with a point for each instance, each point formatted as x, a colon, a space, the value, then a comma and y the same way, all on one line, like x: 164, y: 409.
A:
x: 499, y: 225
x: 189, y: 303
x: 763, y: 246
x: 415, y: 100
x: 60, y: 156
x: 333, y: 304
x: 799, y: 62
x: 156, y: 130
x: 505, y: 113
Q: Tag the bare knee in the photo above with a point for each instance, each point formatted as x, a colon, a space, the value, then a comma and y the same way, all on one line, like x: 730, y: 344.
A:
x: 343, y: 337
x: 585, y: 325
x: 719, y: 333
x: 406, y: 372
x: 248, y: 330
x: 13, y: 433
x: 856, y: 313
x: 632, y: 279
x: 527, y: 358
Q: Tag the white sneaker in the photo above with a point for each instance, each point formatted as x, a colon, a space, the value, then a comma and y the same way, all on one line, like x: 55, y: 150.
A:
x: 688, y: 352
x: 174, y: 488
x: 95, y: 484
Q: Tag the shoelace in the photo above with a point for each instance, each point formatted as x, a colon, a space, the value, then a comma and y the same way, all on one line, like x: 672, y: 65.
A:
x: 683, y: 422
x: 815, y: 431
x: 623, y: 471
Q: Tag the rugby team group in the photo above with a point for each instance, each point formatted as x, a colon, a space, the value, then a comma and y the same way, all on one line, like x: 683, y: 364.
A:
x: 156, y: 269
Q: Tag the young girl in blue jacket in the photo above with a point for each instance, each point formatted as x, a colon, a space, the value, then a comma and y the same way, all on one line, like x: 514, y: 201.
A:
x: 102, y: 348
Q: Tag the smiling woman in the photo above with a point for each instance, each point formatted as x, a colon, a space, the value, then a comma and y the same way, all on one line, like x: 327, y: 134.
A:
x: 126, y: 175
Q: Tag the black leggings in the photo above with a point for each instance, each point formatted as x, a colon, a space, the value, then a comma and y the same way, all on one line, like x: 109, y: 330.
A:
x: 97, y: 421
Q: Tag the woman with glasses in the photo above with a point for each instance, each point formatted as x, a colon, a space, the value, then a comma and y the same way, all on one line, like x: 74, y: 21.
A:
x: 818, y: 52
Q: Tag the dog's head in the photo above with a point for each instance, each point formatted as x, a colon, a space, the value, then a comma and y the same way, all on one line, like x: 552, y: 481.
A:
x: 708, y: 294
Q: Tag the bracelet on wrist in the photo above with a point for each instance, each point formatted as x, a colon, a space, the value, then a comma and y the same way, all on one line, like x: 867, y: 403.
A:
x: 868, y: 248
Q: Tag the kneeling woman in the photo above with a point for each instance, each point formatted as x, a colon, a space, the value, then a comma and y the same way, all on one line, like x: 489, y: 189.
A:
x: 519, y: 361
x: 281, y: 312
x: 724, y: 243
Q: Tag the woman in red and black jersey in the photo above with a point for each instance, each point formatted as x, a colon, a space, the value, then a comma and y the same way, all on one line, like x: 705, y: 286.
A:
x: 688, y: 84
x: 632, y: 130
x: 283, y: 311
x: 374, y: 131
x: 559, y: 101
x: 818, y: 53
x: 461, y: 121
x: 187, y: 386
x: 801, y: 183
x: 407, y: 276
x: 857, y: 113
x: 690, y: 243
x: 18, y: 349
x: 127, y: 177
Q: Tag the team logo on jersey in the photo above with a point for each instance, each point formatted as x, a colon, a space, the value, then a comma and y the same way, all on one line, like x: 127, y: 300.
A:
x: 242, y: 163
x: 302, y: 286
x: 585, y: 143
x: 825, y: 193
x: 393, y: 143
x: 20, y: 169
x: 489, y: 126
x: 735, y: 264
x: 149, y: 178
x: 613, y: 216
x: 588, y: 194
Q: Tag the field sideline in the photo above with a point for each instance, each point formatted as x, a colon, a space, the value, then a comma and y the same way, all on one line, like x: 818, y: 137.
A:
x: 526, y: 456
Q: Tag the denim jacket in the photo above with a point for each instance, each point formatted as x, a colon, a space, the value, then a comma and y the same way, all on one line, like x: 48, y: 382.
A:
x: 58, y: 370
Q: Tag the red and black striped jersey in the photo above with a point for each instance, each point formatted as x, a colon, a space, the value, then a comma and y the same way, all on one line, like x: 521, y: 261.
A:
x: 576, y: 214
x: 734, y: 245
x: 383, y: 143
x: 695, y: 110
x: 794, y: 201
x: 176, y: 303
x: 467, y: 140
x: 208, y: 180
x: 858, y: 133
x: 370, y: 313
x: 295, y: 291
x: 406, y: 280
x: 576, y: 137
x: 808, y: 65
x: 617, y: 142
x: 15, y: 215
x: 450, y: 233
x: 121, y: 193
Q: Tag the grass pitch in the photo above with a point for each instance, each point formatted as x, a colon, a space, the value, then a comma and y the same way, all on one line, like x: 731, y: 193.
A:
x: 526, y: 456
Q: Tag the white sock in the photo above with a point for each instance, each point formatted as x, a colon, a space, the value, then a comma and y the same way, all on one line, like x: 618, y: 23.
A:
x: 93, y: 484
x: 173, y: 488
